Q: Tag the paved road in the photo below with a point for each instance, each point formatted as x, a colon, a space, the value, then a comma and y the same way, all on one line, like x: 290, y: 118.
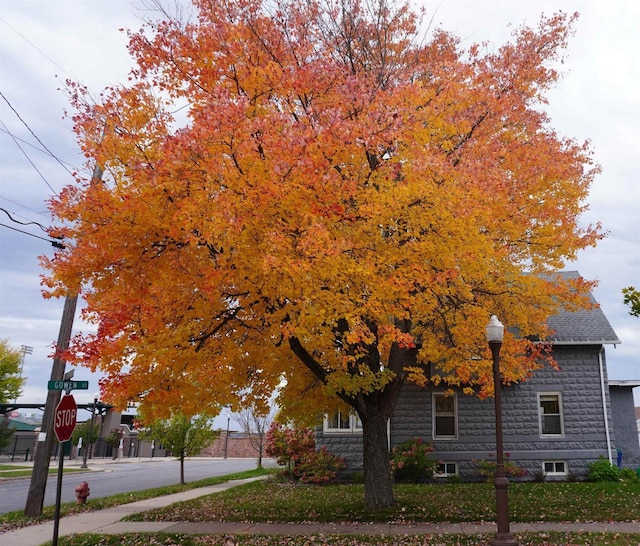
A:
x: 110, y: 478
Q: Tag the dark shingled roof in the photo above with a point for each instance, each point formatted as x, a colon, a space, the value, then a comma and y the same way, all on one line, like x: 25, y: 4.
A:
x: 581, y: 327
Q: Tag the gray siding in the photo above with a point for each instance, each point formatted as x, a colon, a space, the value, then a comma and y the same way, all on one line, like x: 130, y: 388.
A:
x: 622, y: 410
x: 584, y: 439
x: 347, y: 446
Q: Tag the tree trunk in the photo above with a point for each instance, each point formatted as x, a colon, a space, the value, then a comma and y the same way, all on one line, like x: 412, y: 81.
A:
x: 378, y: 482
x: 374, y: 409
x: 182, y: 469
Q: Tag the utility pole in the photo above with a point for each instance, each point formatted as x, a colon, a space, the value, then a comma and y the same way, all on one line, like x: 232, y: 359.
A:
x: 35, y: 497
x: 42, y: 457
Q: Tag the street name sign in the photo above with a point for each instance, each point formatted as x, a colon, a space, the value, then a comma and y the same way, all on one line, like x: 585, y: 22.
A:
x: 65, y: 418
x: 67, y: 385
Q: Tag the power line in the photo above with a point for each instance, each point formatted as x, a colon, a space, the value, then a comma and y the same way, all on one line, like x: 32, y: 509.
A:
x: 56, y: 244
x: 41, y: 213
x: 36, y: 48
x: 34, y: 135
x: 46, y: 152
x: 23, y: 223
x: 29, y: 160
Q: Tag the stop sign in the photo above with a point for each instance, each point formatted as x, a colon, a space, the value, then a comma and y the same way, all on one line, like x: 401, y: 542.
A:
x: 65, y: 418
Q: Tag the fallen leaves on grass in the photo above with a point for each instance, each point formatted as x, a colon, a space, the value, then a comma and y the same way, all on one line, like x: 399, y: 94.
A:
x: 525, y: 539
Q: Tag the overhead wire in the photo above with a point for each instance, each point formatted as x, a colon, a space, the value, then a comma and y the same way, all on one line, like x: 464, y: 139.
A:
x: 24, y: 223
x: 35, y: 47
x: 29, y: 160
x: 56, y: 244
x: 34, y: 135
x: 65, y: 165
x: 15, y: 138
x: 41, y: 213
x: 45, y: 151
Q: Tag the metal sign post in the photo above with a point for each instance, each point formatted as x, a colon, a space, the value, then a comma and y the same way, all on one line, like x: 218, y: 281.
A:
x: 56, y: 515
x: 64, y: 423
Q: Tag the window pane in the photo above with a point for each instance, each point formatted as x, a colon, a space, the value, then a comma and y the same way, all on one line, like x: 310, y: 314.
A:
x: 448, y: 469
x: 445, y: 426
x: 555, y: 467
x: 445, y: 404
x: 549, y: 406
x: 550, y: 414
x: 444, y: 418
x: 344, y: 421
x: 339, y: 421
x: 551, y: 424
x: 333, y: 420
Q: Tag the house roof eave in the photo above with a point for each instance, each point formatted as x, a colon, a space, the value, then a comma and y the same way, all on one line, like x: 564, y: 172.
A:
x: 580, y: 341
x: 631, y: 383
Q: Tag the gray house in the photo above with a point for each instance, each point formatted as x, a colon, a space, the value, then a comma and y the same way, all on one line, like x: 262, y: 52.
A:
x: 556, y: 423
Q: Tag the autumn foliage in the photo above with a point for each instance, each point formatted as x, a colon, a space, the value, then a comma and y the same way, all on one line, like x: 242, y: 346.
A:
x: 313, y: 191
x: 294, y: 449
x: 410, y: 461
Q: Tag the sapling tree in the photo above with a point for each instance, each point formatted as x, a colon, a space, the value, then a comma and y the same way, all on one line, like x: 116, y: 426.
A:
x: 184, y: 436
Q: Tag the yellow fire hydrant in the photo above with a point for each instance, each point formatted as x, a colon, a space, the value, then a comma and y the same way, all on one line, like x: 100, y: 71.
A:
x: 82, y: 492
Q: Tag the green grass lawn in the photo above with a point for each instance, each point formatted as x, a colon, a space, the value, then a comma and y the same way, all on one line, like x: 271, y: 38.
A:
x: 266, y: 501
x: 525, y: 539
x: 11, y: 471
x: 271, y: 501
x: 8, y: 468
x: 13, y: 520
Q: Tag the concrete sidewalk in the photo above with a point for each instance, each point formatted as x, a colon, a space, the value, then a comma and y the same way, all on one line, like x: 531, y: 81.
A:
x: 103, y: 521
x: 108, y: 522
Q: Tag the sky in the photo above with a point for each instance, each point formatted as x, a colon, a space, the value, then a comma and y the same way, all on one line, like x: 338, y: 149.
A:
x: 45, y: 42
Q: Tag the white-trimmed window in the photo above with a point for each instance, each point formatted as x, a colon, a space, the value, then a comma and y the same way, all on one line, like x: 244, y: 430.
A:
x: 550, y: 414
x: 554, y: 468
x: 445, y: 415
x: 342, y: 422
x: 444, y: 470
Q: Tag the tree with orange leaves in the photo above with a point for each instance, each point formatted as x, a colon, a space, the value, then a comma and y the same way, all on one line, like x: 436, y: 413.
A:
x: 306, y: 195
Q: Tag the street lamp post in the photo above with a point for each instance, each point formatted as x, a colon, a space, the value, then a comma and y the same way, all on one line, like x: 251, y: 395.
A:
x: 503, y: 537
x: 89, y: 442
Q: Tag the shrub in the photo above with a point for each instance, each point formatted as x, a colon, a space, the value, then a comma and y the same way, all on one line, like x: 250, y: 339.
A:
x: 540, y: 476
x: 603, y: 471
x: 410, y: 461
x: 487, y: 469
x: 287, y: 445
x: 294, y: 448
x: 318, y: 466
x: 628, y: 474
